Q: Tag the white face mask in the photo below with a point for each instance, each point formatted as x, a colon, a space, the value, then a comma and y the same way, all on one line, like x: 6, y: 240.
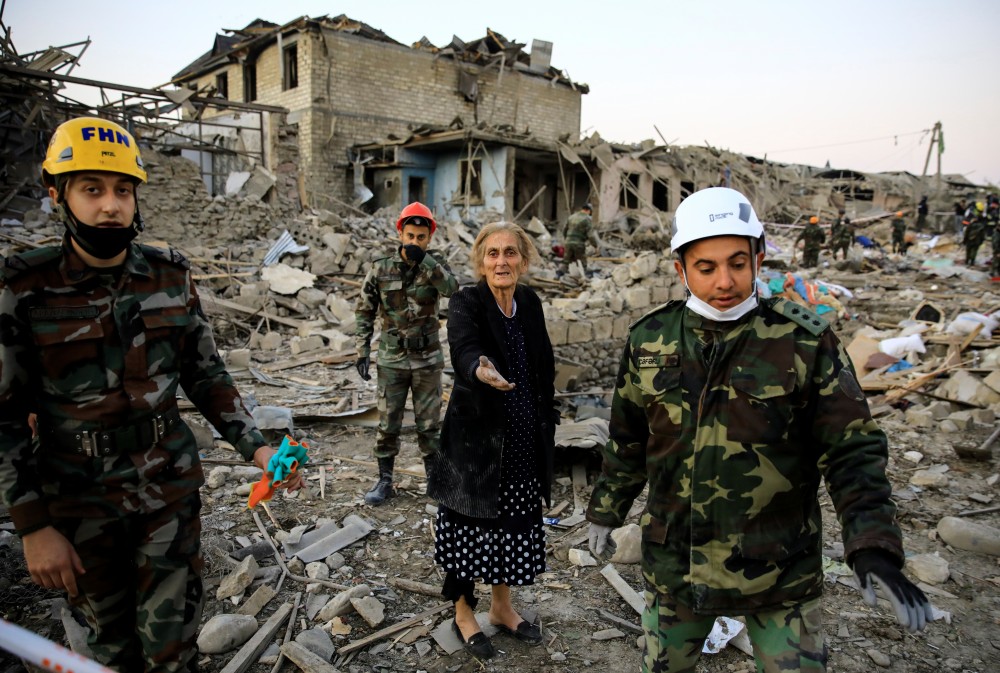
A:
x: 706, y: 310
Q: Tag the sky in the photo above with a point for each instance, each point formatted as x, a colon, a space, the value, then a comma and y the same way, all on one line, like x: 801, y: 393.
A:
x: 855, y: 83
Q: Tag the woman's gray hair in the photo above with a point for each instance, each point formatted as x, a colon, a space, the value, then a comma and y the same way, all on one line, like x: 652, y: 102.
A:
x: 524, y: 245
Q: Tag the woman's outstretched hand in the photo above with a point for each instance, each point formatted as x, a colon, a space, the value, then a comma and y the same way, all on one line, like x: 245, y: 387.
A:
x: 489, y: 375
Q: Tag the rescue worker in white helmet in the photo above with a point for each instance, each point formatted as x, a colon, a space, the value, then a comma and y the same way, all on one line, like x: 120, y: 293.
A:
x: 732, y: 410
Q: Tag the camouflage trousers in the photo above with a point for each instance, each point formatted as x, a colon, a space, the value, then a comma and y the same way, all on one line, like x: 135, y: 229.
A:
x: 810, y: 256
x: 995, y: 266
x: 788, y: 639
x: 142, y: 590
x: 844, y: 246
x: 393, y: 385
x: 574, y: 252
x: 971, y: 251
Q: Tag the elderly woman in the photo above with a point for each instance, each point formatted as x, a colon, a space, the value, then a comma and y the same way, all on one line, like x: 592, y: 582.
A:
x: 494, y: 467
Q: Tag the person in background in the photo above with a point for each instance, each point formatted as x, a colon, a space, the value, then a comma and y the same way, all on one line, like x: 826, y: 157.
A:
x: 813, y: 238
x: 975, y: 231
x: 578, y: 231
x: 732, y: 410
x: 494, y: 466
x: 899, y: 233
x: 960, y: 208
x: 841, y: 234
x: 96, y: 337
x: 921, y: 214
x: 403, y: 289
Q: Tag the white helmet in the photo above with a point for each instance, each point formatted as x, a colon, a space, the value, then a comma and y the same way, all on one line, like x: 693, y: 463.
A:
x: 716, y: 211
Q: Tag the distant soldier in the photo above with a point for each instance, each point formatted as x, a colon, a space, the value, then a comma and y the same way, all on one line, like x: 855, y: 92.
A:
x: 579, y: 230
x: 922, y: 211
x: 899, y: 233
x: 841, y: 234
x: 732, y: 411
x: 404, y: 289
x: 813, y: 238
x: 975, y: 231
x: 993, y: 222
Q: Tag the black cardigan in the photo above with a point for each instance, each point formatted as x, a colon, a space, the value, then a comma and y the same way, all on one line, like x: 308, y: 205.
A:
x: 465, y: 474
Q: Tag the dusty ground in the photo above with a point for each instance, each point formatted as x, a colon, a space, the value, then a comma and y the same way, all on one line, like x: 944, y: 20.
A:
x: 567, y: 598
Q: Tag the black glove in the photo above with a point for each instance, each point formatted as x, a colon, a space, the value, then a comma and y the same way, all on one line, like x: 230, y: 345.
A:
x: 413, y: 253
x: 362, y: 366
x: 912, y: 608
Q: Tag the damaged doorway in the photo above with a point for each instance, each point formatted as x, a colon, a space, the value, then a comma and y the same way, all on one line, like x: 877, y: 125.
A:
x: 416, y: 189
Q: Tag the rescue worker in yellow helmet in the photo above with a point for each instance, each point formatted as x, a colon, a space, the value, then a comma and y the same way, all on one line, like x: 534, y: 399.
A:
x: 96, y: 337
x: 92, y: 144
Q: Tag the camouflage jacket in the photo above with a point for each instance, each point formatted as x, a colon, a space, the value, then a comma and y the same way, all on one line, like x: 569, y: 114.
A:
x: 733, y: 426
x: 813, y: 236
x: 975, y: 232
x: 580, y: 229
x: 407, y: 299
x: 840, y: 232
x: 898, y: 227
x: 87, y: 351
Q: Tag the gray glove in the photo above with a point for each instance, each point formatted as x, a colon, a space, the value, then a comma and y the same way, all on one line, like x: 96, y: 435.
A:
x: 600, y: 542
x: 874, y: 566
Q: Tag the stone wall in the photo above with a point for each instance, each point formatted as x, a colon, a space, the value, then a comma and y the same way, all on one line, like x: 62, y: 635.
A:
x: 591, y: 328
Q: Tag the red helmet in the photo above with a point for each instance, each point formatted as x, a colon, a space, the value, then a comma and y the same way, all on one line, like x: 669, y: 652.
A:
x: 416, y: 212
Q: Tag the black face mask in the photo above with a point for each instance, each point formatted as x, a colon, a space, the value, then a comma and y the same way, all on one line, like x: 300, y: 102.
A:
x: 103, y: 242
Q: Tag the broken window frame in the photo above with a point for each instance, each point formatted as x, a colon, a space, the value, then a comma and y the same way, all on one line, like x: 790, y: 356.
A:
x: 660, y: 197
x: 290, y: 66
x: 222, y: 84
x: 628, y: 194
x: 473, y: 182
x: 249, y: 81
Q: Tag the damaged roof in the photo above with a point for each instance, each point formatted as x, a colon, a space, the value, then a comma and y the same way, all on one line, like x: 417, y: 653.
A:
x: 492, y: 49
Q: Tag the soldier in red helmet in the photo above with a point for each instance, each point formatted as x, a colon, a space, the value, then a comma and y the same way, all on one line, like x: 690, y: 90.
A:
x: 404, y: 289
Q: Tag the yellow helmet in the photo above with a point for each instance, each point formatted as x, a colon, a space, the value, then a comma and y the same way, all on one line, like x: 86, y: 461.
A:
x: 93, y: 144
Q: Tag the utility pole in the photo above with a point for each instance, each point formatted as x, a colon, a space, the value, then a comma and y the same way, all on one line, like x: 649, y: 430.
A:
x: 935, y: 138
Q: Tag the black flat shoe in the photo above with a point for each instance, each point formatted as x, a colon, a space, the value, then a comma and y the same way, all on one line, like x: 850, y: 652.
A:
x: 478, y: 643
x: 525, y: 632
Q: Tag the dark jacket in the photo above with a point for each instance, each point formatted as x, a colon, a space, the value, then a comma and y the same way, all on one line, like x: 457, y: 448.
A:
x: 465, y: 474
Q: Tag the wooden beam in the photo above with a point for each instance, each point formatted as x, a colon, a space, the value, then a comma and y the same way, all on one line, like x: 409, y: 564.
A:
x: 389, y: 630
x: 252, y: 649
x: 306, y: 660
x: 623, y: 588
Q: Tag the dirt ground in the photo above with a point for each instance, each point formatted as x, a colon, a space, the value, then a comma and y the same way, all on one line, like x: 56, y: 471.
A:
x: 568, y: 599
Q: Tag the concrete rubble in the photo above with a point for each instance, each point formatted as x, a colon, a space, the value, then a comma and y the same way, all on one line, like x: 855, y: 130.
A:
x: 919, y: 328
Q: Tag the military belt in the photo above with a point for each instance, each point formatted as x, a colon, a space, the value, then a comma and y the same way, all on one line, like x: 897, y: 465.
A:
x: 113, y: 441
x: 410, y: 343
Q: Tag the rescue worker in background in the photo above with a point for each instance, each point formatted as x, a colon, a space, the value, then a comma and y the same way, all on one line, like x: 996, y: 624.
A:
x: 959, y: 216
x: 578, y: 231
x: 841, y: 234
x: 899, y: 233
x: 921, y: 214
x: 96, y: 336
x: 732, y: 410
x: 814, y: 238
x: 975, y: 231
x: 404, y: 289
x: 993, y: 223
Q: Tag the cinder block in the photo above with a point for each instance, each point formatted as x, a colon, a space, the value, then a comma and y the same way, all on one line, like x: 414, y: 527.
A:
x: 580, y: 332
x: 558, y: 332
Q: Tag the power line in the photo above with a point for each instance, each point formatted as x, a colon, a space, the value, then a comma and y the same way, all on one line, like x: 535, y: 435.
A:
x: 852, y: 142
